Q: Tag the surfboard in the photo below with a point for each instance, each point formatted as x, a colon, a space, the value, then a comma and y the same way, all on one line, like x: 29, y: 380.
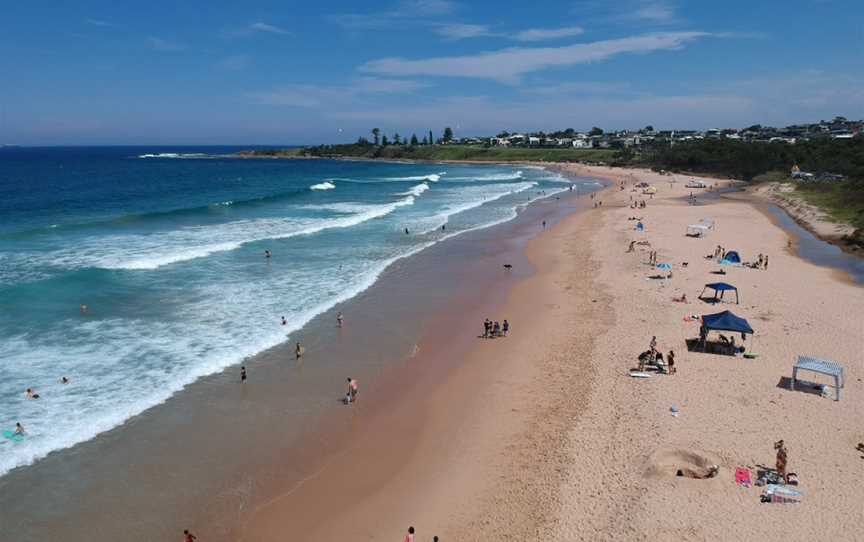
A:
x: 14, y: 437
x: 639, y: 374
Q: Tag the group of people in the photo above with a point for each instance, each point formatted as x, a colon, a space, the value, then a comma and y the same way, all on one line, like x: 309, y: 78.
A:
x: 655, y: 357
x: 719, y: 253
x: 494, y: 329
x: 652, y: 257
x: 638, y: 204
x: 30, y: 393
x: 762, y: 262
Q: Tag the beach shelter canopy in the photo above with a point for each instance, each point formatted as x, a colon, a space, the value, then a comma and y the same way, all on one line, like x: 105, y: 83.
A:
x: 725, y: 321
x: 822, y: 366
x: 722, y: 288
x: 732, y: 257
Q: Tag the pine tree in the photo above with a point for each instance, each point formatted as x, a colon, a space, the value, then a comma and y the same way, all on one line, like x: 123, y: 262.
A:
x: 431, y: 138
x: 384, y: 141
x: 414, y: 140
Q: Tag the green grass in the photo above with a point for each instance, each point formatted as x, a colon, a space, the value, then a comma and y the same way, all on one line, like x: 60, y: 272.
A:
x: 465, y: 152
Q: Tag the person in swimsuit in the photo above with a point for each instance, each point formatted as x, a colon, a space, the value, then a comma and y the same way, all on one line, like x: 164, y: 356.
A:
x: 505, y: 327
x: 410, y: 536
x: 19, y: 429
x: 189, y: 537
x: 298, y: 350
x: 31, y: 394
x: 780, y: 446
x: 339, y: 319
x: 243, y: 373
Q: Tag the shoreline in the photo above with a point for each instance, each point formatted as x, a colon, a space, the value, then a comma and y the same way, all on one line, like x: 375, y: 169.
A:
x: 221, y: 408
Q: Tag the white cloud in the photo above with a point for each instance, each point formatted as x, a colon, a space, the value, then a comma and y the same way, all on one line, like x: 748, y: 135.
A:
x: 639, y: 12
x: 541, y: 34
x: 507, y: 65
x: 655, y: 11
x: 407, y: 10
x: 268, y: 28
x: 458, y: 31
x: 309, y: 96
x: 580, y: 88
x: 159, y: 44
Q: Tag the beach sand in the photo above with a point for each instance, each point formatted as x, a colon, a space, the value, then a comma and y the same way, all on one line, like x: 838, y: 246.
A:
x: 544, y: 436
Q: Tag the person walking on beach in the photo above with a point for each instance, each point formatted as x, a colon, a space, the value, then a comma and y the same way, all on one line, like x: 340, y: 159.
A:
x: 298, y: 351
x: 670, y: 360
x: 780, y: 446
x: 243, y: 374
x: 189, y: 537
x: 765, y: 263
x: 486, y: 325
x: 544, y: 224
x: 353, y: 389
x: 339, y: 319
x: 410, y: 536
x: 505, y: 327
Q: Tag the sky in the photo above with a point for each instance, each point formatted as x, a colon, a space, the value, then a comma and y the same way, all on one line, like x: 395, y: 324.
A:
x: 282, y: 72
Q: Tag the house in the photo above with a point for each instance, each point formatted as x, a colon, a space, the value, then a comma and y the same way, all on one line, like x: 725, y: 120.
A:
x: 533, y: 141
x: 517, y: 139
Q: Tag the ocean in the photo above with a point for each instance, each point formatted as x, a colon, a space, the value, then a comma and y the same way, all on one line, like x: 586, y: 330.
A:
x: 166, y: 248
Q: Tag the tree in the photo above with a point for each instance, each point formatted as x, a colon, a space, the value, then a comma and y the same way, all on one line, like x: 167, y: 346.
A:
x: 376, y: 133
x: 595, y: 131
x: 431, y: 138
x: 396, y: 139
x: 413, y: 139
x: 448, y: 134
x: 384, y: 141
x: 425, y: 140
x: 362, y: 141
x: 505, y: 133
x: 649, y: 128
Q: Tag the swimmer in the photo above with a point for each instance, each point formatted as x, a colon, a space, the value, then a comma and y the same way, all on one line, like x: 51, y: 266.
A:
x: 267, y: 254
x: 64, y: 380
x: 83, y: 309
x: 19, y: 429
x: 406, y: 231
x: 31, y: 394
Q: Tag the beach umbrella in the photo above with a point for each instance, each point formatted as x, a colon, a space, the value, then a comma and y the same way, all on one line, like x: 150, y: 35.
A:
x: 664, y: 266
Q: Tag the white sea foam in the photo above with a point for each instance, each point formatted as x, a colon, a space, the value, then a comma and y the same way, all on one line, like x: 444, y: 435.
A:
x: 149, y: 252
x: 326, y: 185
x: 415, y: 190
x: 433, y: 177
x: 511, y: 176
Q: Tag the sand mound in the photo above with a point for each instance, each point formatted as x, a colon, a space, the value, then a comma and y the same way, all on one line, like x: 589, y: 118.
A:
x: 673, y: 463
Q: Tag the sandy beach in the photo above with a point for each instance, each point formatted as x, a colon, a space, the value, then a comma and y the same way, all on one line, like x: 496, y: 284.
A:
x: 543, y: 434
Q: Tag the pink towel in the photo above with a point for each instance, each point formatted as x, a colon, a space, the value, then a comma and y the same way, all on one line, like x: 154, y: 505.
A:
x: 743, y: 477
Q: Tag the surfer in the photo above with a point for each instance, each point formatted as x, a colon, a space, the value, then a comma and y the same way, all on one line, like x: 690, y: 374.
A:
x: 339, y: 319
x: 31, y: 394
x: 243, y: 373
x: 19, y: 429
x: 298, y: 350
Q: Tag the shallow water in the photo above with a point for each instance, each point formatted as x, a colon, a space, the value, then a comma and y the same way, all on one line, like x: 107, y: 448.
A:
x: 817, y: 251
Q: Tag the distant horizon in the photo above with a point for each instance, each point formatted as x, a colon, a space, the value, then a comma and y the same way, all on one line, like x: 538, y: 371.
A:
x: 167, y: 74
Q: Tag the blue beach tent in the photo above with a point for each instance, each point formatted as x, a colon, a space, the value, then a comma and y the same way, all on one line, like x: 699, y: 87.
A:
x: 725, y: 321
x: 732, y: 257
x: 722, y: 288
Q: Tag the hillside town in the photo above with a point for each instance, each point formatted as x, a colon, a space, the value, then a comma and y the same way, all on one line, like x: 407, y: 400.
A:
x: 597, y: 138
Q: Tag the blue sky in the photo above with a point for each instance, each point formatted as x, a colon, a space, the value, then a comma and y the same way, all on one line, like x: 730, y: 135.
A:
x: 219, y: 72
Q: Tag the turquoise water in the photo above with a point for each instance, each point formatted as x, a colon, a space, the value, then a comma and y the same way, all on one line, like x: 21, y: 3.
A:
x: 166, y: 249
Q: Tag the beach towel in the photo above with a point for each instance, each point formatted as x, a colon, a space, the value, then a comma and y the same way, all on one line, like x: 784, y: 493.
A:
x: 743, y: 477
